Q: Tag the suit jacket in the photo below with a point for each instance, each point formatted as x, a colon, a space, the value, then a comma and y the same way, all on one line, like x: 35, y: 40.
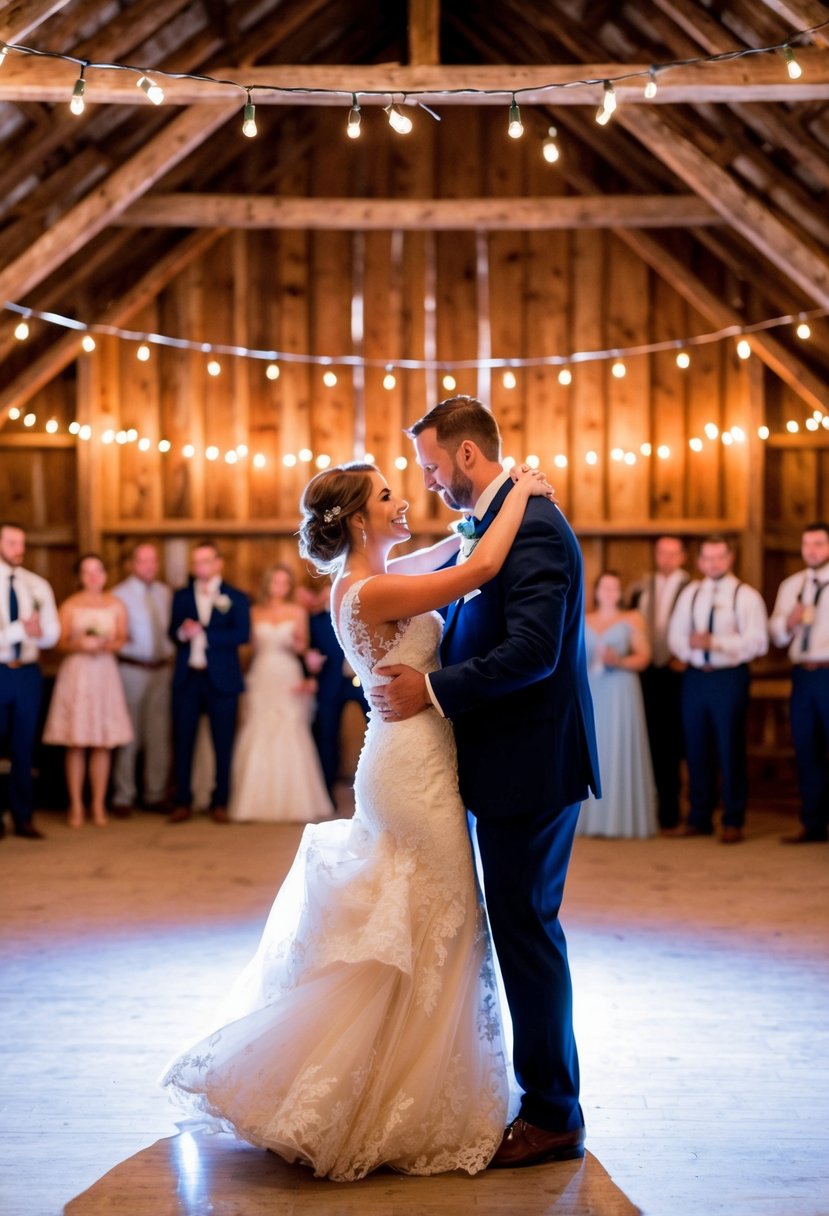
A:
x: 514, y: 675
x: 226, y: 632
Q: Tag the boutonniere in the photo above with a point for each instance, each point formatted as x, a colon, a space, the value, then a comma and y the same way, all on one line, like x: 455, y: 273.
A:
x: 465, y: 529
x: 223, y: 603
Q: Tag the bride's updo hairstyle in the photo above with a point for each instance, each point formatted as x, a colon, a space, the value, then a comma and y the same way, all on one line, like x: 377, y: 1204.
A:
x: 328, y: 502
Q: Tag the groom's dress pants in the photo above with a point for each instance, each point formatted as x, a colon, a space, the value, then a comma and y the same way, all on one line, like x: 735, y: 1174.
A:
x: 524, y: 860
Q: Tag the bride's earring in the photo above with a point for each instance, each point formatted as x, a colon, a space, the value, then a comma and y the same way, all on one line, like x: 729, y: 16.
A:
x: 363, y: 536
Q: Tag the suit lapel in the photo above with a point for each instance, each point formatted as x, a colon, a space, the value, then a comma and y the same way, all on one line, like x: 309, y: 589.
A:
x: 454, y: 610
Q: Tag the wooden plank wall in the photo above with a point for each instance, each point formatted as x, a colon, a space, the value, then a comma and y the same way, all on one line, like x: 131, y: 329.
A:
x: 553, y: 292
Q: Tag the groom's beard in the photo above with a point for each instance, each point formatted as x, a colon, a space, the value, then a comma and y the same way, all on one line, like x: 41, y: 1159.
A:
x: 460, y: 494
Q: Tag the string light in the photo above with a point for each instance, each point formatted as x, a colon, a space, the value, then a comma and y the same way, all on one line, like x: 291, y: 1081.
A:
x: 617, y: 454
x: 762, y: 432
x: 354, y: 115
x: 329, y: 379
x: 77, y: 104
x: 812, y: 424
x: 21, y: 331
x: 154, y: 91
x: 792, y: 427
x: 401, y: 463
x: 645, y: 449
x: 88, y: 343
x: 663, y: 451
x: 449, y: 382
x: 143, y: 353
x: 605, y: 110
x: 803, y: 331
x: 727, y: 438
x: 695, y: 444
x: 52, y: 426
x: 214, y: 368
x: 619, y: 370
x: 323, y: 461
x: 85, y: 432
x: 188, y: 451
x: 289, y: 460
x: 711, y: 430
x: 241, y: 450
x: 144, y: 444
x: 399, y: 121
x: 389, y: 380
x: 74, y: 427
x: 211, y: 452
x: 549, y: 149
x: 651, y: 87
x: 738, y: 434
x: 164, y: 445
x: 630, y: 458
x: 683, y: 359
x: 516, y: 128
x: 591, y: 457
x: 4, y: 50
x: 249, y: 118
x: 533, y: 461
x: 305, y: 455
x: 509, y: 380
x: 792, y: 66
x: 744, y: 349
x: 560, y: 461
x: 272, y: 371
x: 259, y: 461
x: 565, y: 376
x: 231, y: 456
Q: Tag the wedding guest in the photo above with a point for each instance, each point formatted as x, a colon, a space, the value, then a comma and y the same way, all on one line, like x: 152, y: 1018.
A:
x: 655, y: 597
x: 617, y: 650
x: 210, y: 621
x: 336, y: 682
x: 276, y: 769
x: 88, y: 711
x: 145, y: 663
x: 800, y: 620
x: 718, y: 626
x: 28, y: 624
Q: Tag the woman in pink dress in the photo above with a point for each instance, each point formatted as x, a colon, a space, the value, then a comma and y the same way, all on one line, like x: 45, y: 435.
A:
x: 88, y: 708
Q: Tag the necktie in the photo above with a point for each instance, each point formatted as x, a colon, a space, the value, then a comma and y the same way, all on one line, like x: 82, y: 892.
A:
x: 14, y: 615
x: 706, y: 654
x: 806, y: 635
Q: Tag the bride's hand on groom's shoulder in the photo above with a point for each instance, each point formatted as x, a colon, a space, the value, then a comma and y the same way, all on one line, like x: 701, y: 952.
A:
x: 403, y: 696
x: 537, y: 482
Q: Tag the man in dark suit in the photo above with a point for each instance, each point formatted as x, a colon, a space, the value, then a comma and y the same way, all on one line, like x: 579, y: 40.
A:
x: 514, y: 683
x: 210, y: 621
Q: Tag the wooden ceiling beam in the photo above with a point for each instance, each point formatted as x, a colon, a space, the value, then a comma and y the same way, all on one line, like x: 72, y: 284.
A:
x: 802, y: 14
x: 18, y: 19
x: 108, y: 199
x: 759, y: 78
x: 432, y: 215
x: 424, y: 31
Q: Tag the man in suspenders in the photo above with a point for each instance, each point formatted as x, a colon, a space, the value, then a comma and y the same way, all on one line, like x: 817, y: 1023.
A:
x: 655, y: 597
x: 718, y: 626
x: 800, y: 620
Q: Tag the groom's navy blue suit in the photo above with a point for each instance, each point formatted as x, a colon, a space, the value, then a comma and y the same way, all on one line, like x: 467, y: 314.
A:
x: 514, y: 683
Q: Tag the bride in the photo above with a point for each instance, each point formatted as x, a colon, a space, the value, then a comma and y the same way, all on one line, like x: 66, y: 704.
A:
x: 366, y: 1030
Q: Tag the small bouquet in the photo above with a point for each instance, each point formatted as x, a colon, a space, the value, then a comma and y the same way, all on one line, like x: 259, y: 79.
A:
x: 223, y: 603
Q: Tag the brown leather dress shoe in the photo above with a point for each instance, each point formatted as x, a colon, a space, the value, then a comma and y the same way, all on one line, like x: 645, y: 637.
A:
x: 804, y: 837
x: 731, y: 835
x: 219, y: 815
x: 180, y: 815
x: 524, y: 1144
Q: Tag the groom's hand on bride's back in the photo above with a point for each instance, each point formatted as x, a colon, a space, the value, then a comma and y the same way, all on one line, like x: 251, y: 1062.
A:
x: 404, y: 696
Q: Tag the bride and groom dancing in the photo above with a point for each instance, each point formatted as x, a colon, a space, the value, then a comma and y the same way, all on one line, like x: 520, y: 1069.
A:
x: 367, y: 1029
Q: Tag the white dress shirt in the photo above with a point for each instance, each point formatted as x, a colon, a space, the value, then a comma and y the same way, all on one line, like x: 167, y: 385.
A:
x: 665, y: 589
x: 206, y: 596
x: 740, y: 623
x: 803, y: 588
x: 33, y: 595
x: 148, y: 616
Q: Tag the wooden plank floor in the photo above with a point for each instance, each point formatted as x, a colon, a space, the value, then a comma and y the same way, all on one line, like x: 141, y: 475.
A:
x: 702, y: 990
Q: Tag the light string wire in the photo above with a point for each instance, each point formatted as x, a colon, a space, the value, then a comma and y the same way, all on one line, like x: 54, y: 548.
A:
x: 436, y: 365
x: 413, y: 96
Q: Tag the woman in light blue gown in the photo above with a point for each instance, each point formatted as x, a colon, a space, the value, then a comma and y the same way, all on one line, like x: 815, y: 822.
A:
x: 617, y: 650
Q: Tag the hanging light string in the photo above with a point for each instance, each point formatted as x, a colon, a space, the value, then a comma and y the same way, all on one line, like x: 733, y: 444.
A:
x: 155, y: 93
x: 274, y: 356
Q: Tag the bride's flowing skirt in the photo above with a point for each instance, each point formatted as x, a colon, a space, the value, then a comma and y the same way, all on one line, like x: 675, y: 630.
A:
x: 366, y: 1029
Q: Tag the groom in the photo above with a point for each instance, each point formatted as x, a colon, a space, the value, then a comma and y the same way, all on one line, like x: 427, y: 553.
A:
x: 514, y: 683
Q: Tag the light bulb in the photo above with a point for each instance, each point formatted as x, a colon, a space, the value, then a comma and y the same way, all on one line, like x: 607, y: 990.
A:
x: 188, y: 451
x: 108, y: 436
x: 272, y: 371
x: 516, y: 128
x: 449, y: 382
x: 591, y: 457
x: 289, y: 460
x: 651, y: 86
x: 305, y: 455
x: 608, y: 105
x: 663, y: 451
x: 389, y: 381
x: 401, y: 463
x: 322, y: 461
x: 743, y: 349
x: 121, y: 437
x: 88, y: 343
x: 617, y: 454
x: 4, y: 50
x: 214, y: 368
x: 727, y: 438
x: 51, y: 426
x: 533, y: 461
x: 259, y: 461
x: 565, y: 376
x: 619, y: 370
x: 560, y: 461
x: 630, y: 458
x: 21, y: 331
x: 812, y: 424
x: 143, y: 353
x: 401, y: 123
x: 738, y: 434
x: 231, y: 456
x: 164, y: 445
x: 791, y: 426
x: 646, y: 449
x: 154, y: 91
x: 762, y: 432
x: 74, y: 427
x: 211, y: 452
x: 241, y: 450
x: 683, y: 359
x: 14, y: 413
x: 792, y: 66
x: 549, y: 149
x: 249, y: 119
x: 144, y: 444
x: 803, y: 331
x: 711, y: 430
x: 77, y: 104
x: 509, y: 380
x: 695, y: 444
x: 329, y: 379
x: 85, y: 432
x: 354, y: 116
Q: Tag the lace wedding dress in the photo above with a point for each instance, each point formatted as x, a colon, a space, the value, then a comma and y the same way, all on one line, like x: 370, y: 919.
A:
x: 366, y: 1030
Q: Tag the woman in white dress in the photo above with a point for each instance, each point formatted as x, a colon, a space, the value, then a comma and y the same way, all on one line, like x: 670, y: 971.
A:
x: 617, y: 650
x: 276, y: 770
x: 366, y: 1030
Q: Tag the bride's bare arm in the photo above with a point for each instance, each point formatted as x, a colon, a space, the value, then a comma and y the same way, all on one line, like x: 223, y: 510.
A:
x: 422, y: 561
x: 392, y: 597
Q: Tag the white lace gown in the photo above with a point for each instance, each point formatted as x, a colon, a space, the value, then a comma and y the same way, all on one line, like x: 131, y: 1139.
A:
x: 367, y: 1030
x: 277, y: 776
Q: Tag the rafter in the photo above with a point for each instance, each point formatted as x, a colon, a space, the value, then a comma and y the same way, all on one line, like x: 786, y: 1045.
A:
x: 761, y: 78
x: 442, y: 214
x: 18, y: 19
x: 424, y: 31
x: 802, y: 14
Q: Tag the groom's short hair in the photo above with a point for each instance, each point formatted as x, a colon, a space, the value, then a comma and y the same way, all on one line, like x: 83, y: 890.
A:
x: 459, y: 418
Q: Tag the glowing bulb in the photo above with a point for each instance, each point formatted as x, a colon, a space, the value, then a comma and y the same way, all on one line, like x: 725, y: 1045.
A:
x: 154, y: 91
x: 259, y: 461
x: 368, y: 457
x: 353, y: 128
x: 272, y: 371
x: 132, y: 435
x: 509, y: 380
x: 449, y: 382
x: 289, y: 460
x: 329, y: 379
x: 144, y: 444
x: 744, y: 349
x: 212, y: 452
x: 711, y: 430
x: 651, y: 86
x: 695, y: 444
x: 164, y: 445
x: 14, y: 413
x: 516, y: 128
x: 322, y: 461
x: 605, y: 110
x: 188, y: 451
x: 560, y: 461
x: 825, y: 422
x: 214, y: 368
x: 663, y: 451
x: 4, y: 50
x: 549, y: 149
x: 591, y: 457
x: 812, y: 424
x: 249, y: 119
x: 74, y: 427
x: 803, y: 331
x: 738, y: 434
x: 727, y: 438
x: 645, y: 449
x: 400, y: 122
x: 792, y: 427
x: 21, y: 331
x: 401, y: 463
x: 143, y: 353
x: 533, y: 462
x: 88, y: 343
x: 108, y: 436
x: 51, y: 426
x: 618, y: 369
x: 231, y: 456
x: 565, y: 376
x: 617, y: 454
x: 389, y: 380
x: 305, y: 455
x: 683, y: 359
x: 85, y: 432
x: 121, y: 437
x: 630, y: 458
x: 792, y: 66
x: 77, y: 104
x: 508, y: 463
x: 762, y: 432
